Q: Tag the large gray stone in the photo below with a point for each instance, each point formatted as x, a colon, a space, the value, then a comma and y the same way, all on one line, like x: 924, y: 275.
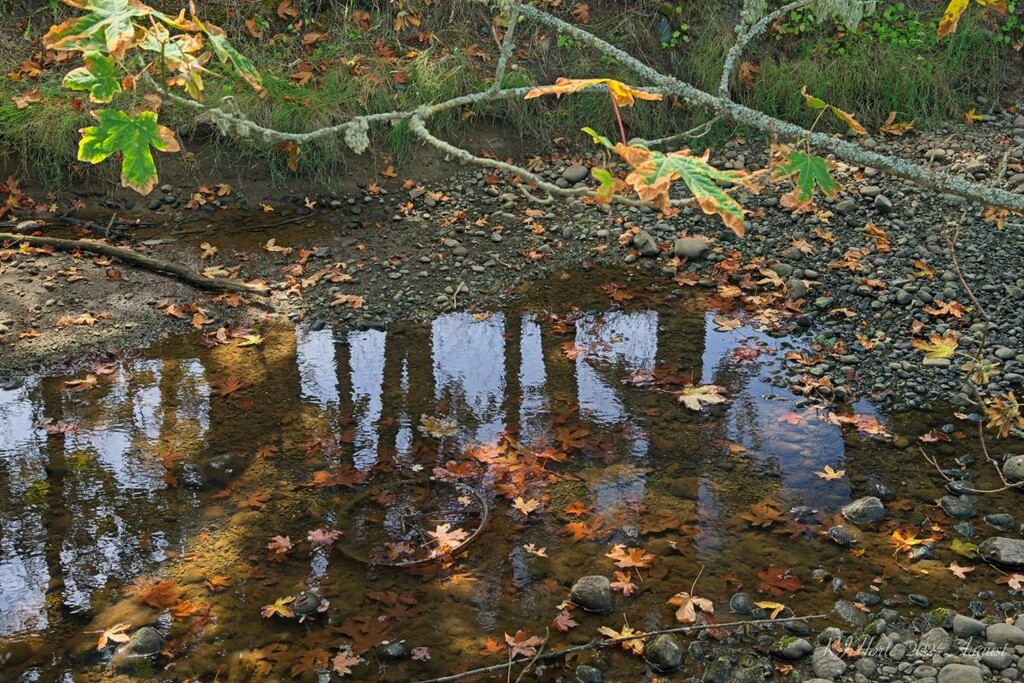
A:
x: 960, y: 673
x: 1004, y: 634
x: 690, y: 247
x: 664, y: 653
x: 826, y: 664
x: 865, y: 510
x: 575, y: 173
x: 965, y: 627
x: 1008, y: 552
x: 936, y: 641
x: 592, y: 593
x: 1013, y: 469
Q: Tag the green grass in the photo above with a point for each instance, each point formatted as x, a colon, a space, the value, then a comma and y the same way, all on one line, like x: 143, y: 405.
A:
x: 872, y: 76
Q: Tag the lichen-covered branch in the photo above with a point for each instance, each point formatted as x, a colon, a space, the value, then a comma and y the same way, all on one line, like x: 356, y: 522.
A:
x: 923, y: 177
x: 745, y: 34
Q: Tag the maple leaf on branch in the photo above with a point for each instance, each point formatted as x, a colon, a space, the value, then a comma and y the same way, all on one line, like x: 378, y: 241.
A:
x: 623, y: 94
x: 634, y: 645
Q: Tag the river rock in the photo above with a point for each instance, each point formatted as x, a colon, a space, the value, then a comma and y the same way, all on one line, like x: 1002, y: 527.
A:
x: 826, y: 664
x: 587, y: 674
x: 690, y: 247
x: 792, y: 648
x: 664, y: 653
x: 592, y: 593
x: 965, y: 627
x: 936, y: 641
x: 1013, y: 469
x: 1008, y: 552
x: 741, y: 603
x: 959, y: 507
x: 575, y: 173
x: 645, y: 244
x: 960, y: 673
x: 865, y: 510
x: 1004, y: 634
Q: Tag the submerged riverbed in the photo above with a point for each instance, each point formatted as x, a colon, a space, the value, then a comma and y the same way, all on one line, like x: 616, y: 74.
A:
x: 193, y: 485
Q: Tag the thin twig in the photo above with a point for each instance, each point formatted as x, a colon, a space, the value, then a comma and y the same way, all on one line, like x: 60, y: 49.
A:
x: 597, y: 644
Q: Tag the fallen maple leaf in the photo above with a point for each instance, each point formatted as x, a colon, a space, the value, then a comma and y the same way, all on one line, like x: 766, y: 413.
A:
x: 563, y: 621
x: 631, y: 557
x: 636, y: 645
x: 522, y: 644
x: 114, y: 634
x: 280, y: 545
x: 960, y: 572
x: 226, y: 387
x: 830, y: 474
x: 534, y: 550
x: 697, y: 397
x: 937, y: 346
x: 447, y: 539
x: 525, y: 506
x: 689, y: 605
x: 344, y: 661
x: 279, y: 608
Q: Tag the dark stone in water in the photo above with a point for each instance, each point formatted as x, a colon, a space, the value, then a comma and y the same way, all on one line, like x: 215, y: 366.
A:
x: 664, y: 653
x: 307, y: 603
x: 925, y: 551
x: 959, y: 507
x: 965, y: 529
x: 865, y: 510
x: 592, y: 594
x: 392, y: 651
x: 1000, y: 521
x: 798, y: 628
x: 144, y: 642
x: 919, y: 600
x: 842, y: 536
x: 741, y: 603
x: 1008, y: 552
x: 869, y: 599
x: 587, y: 674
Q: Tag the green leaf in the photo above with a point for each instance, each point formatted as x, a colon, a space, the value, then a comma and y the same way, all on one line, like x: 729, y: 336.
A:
x: 598, y: 138
x: 809, y: 171
x: 961, y: 547
x: 227, y: 54
x: 812, y: 101
x: 132, y: 136
x: 98, y: 76
x: 654, y: 172
x: 607, y: 189
x: 179, y: 56
x: 108, y: 27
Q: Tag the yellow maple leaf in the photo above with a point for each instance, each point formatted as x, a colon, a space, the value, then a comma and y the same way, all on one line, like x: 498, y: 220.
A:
x: 624, y: 95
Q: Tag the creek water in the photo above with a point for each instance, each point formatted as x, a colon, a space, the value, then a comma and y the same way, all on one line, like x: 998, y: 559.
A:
x: 180, y: 463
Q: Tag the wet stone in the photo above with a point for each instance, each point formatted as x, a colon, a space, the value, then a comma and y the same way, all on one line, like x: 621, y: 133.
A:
x: 959, y: 507
x: 998, y: 660
x: 575, y: 173
x: 592, y: 593
x: 1013, y: 469
x: 849, y: 613
x: 741, y: 603
x: 1008, y: 552
x: 919, y: 600
x: 791, y: 648
x: 1000, y: 521
x: 843, y: 536
x: 664, y: 653
x: 392, y: 651
x: 587, y: 674
x: 865, y: 510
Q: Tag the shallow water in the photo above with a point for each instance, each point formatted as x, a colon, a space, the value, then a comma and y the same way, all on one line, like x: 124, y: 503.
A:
x: 560, y: 398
